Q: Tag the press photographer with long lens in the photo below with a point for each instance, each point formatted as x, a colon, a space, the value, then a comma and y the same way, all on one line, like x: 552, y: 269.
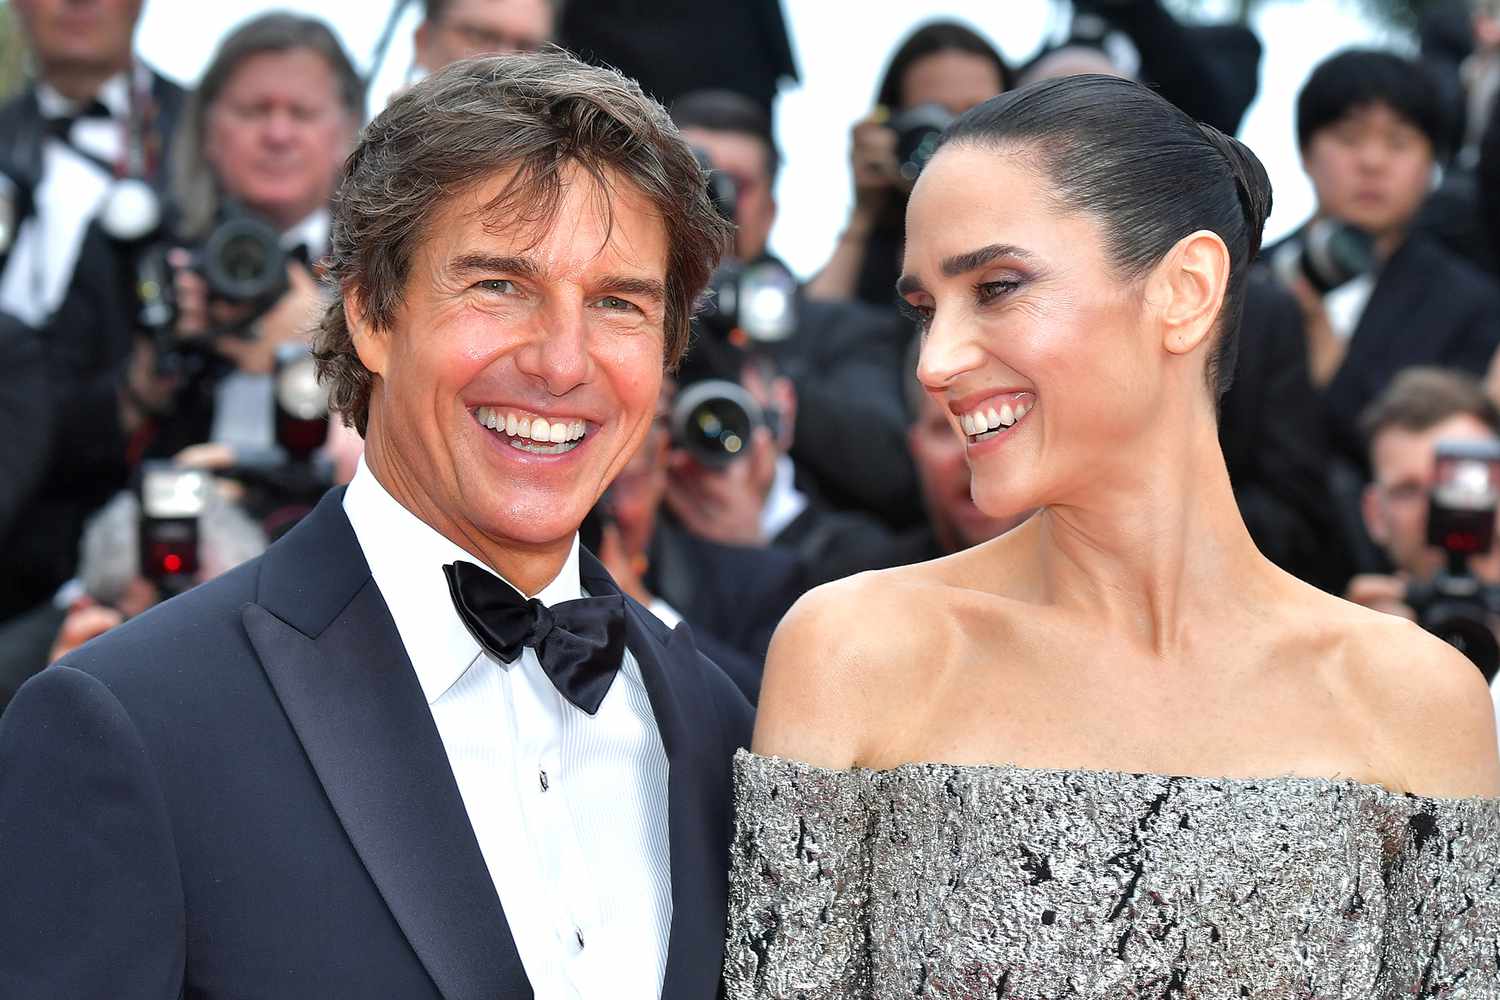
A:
x: 939, y: 71
x: 1434, y: 441
x: 1377, y: 297
x: 842, y: 360
x: 172, y: 339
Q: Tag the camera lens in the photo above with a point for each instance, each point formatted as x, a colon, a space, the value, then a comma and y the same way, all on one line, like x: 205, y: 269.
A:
x: 918, y: 131
x: 243, y: 261
x: 713, y: 420
x: 1335, y: 252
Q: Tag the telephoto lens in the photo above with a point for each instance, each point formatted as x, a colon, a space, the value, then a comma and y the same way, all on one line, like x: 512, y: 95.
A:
x: 713, y: 421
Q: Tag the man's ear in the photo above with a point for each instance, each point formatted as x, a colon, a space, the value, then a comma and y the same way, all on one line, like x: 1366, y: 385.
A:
x: 372, y: 345
x: 1190, y: 282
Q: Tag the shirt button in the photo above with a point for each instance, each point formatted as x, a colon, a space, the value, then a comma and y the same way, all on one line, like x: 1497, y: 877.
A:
x: 542, y: 778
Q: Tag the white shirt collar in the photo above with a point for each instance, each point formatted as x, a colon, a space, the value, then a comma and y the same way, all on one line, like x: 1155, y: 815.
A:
x: 313, y: 231
x: 784, y: 502
x: 406, y: 557
x: 114, y: 94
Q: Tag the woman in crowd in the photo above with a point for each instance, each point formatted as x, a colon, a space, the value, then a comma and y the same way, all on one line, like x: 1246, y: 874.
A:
x: 1114, y: 752
x: 943, y: 65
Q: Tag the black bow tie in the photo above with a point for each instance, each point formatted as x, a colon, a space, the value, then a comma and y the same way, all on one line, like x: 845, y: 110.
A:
x: 62, y: 125
x: 579, y: 643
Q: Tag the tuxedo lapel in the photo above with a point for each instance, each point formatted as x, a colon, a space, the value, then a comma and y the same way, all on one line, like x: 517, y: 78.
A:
x: 328, y: 645
x: 687, y: 718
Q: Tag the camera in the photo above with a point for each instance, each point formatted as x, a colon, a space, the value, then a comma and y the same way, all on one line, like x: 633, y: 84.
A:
x: 1328, y: 253
x: 1456, y: 606
x: 284, y: 482
x: 241, y: 261
x: 713, y: 421
x: 172, y: 500
x: 749, y: 304
x: 918, y: 130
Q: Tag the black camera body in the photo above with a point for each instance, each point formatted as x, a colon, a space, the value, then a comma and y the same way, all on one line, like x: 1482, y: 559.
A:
x: 1455, y: 605
x: 918, y: 130
x: 1329, y: 253
x: 241, y: 261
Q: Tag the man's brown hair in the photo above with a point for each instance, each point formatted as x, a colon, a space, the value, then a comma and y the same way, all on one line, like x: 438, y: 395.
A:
x: 1418, y: 399
x: 537, y: 113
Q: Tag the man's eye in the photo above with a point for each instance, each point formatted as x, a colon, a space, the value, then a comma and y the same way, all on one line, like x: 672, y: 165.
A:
x: 503, y: 285
x: 615, y: 302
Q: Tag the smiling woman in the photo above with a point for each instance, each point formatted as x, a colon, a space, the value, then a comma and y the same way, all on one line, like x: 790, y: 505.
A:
x: 1105, y: 753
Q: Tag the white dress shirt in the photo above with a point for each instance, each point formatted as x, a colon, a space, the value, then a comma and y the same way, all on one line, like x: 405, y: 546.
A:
x: 68, y: 196
x: 570, y: 810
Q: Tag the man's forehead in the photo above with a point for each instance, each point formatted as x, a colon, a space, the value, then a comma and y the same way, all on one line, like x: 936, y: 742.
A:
x: 611, y: 222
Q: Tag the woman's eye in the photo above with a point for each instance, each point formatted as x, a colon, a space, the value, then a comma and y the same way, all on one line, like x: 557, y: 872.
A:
x: 986, y: 291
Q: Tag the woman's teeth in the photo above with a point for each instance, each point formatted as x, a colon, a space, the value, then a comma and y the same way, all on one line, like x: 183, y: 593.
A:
x: 983, y: 424
x: 532, y: 434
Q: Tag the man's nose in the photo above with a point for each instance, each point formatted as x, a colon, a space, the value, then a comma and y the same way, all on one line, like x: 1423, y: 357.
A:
x: 557, y: 354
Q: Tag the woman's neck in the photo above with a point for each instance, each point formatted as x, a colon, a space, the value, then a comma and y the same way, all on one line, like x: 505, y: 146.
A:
x: 1154, y: 554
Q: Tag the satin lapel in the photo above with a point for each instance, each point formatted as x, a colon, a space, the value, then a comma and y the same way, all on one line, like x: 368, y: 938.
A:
x: 696, y: 802
x: 355, y: 704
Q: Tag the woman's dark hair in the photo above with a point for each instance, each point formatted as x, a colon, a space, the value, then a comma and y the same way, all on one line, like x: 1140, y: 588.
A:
x: 1360, y: 77
x: 931, y: 38
x: 1144, y: 170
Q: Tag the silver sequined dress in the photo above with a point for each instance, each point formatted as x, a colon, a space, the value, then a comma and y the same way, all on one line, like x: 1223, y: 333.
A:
x: 939, y: 881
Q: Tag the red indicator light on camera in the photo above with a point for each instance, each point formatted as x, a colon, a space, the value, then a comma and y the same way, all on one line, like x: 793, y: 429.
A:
x: 172, y: 562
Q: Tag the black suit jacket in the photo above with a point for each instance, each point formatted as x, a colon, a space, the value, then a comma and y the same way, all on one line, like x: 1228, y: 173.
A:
x: 242, y: 793
x: 1429, y: 307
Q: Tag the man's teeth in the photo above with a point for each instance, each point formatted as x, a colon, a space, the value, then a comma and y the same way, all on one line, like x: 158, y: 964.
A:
x: 992, y: 419
x: 529, y: 430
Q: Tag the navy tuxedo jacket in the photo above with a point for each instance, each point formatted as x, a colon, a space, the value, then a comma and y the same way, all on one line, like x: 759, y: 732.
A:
x: 242, y: 793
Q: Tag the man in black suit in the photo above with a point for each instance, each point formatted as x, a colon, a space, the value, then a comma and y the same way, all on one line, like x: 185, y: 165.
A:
x: 365, y: 764
x: 93, y: 114
x: 1371, y: 126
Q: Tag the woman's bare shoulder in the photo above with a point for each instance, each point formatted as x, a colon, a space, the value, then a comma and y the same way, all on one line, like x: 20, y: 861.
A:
x: 1427, y: 707
x: 846, y: 661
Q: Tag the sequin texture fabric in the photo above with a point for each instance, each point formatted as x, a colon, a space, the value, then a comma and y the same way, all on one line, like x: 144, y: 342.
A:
x: 960, y: 883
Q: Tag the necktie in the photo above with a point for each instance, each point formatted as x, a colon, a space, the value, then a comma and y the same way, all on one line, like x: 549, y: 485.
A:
x: 62, y: 126
x: 579, y: 643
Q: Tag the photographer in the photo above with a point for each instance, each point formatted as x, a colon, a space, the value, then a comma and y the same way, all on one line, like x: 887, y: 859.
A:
x: 843, y: 359
x: 1420, y: 408
x: 262, y: 141
x: 940, y: 71
x: 1376, y: 297
x: 95, y: 119
x: 116, y: 584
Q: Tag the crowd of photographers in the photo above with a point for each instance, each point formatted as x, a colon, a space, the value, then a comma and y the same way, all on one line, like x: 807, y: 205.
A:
x: 159, y: 274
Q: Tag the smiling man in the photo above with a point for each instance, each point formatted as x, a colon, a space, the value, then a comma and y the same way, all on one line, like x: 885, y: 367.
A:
x: 424, y: 747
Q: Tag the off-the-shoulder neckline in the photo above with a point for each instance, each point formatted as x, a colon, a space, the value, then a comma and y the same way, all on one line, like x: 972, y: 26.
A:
x: 1322, y: 782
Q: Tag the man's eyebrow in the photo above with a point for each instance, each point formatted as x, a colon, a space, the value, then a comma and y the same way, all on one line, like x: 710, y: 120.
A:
x: 620, y: 284
x: 973, y: 260
x: 487, y: 263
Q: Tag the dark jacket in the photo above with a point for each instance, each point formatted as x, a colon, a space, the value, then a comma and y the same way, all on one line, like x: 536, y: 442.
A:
x: 1429, y: 307
x: 242, y: 793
